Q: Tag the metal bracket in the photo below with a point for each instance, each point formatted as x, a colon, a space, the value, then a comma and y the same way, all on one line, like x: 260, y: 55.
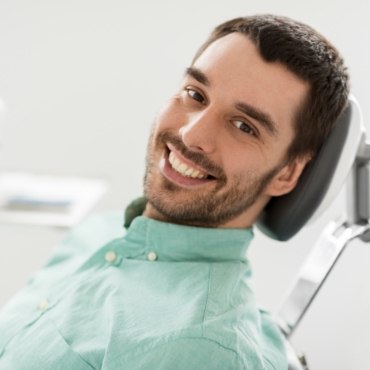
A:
x: 315, y: 271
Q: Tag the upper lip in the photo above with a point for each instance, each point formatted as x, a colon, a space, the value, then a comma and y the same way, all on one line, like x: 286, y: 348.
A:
x: 187, y: 161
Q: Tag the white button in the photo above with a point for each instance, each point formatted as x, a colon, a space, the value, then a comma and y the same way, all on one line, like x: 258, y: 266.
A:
x: 152, y: 256
x: 110, y: 256
x: 43, y: 305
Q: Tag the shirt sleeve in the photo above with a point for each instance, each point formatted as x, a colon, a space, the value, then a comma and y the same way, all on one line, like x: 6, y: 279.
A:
x: 185, y: 354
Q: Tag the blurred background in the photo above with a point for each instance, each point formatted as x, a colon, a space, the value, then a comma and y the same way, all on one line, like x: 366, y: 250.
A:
x: 81, y: 81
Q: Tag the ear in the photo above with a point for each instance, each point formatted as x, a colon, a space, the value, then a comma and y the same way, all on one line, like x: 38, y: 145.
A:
x: 287, y: 177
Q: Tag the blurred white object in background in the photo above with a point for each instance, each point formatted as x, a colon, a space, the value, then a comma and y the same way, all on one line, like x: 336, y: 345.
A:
x: 47, y: 200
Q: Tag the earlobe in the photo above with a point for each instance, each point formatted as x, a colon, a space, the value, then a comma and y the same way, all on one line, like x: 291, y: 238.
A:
x: 286, y: 179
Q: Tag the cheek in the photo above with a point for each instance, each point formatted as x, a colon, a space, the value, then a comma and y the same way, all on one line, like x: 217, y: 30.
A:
x: 233, y: 162
x: 241, y: 163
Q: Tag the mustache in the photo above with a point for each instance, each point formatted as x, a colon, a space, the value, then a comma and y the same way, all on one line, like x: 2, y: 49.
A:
x: 201, y: 159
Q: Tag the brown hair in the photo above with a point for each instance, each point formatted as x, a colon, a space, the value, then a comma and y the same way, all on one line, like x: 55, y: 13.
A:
x: 311, y: 57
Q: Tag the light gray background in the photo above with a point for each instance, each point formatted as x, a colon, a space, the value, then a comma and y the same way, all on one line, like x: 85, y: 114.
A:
x: 82, y: 81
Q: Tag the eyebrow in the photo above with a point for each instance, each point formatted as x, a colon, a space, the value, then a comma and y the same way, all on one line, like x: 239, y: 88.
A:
x: 263, y: 118
x: 198, y: 75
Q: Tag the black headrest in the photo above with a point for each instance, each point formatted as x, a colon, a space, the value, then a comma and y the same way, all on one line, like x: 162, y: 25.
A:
x: 284, y: 216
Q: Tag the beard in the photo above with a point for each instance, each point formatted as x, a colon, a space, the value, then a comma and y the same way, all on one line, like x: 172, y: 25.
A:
x: 222, y: 202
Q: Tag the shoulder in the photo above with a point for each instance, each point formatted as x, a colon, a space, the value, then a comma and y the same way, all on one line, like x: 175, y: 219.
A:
x: 79, y: 243
x: 91, y: 234
x: 97, y: 229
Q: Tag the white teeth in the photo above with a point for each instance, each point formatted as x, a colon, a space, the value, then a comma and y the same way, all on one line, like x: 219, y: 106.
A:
x: 184, y: 169
x: 188, y: 172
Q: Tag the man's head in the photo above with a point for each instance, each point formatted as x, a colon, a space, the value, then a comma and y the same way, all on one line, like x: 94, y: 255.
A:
x: 310, y: 56
x: 243, y: 124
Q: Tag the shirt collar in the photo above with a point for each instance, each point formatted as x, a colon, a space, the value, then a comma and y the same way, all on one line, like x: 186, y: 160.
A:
x: 174, y: 242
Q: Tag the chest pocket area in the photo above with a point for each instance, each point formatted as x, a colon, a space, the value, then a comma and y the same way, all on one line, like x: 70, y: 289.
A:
x: 41, y: 346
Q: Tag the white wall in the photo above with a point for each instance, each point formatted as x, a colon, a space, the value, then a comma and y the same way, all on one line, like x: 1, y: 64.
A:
x: 82, y: 81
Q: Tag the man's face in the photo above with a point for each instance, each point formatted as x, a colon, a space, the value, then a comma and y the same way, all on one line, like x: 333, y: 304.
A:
x: 217, y: 152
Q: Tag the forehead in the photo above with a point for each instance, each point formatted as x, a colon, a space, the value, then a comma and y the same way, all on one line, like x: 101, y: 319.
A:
x: 235, y: 68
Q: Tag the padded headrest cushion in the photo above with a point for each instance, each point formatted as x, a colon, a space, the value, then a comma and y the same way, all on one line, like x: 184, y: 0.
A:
x: 284, y: 216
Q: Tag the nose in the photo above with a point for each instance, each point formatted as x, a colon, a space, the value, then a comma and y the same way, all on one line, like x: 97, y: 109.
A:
x: 200, y: 130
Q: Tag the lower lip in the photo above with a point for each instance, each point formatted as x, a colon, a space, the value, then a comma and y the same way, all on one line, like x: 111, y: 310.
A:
x: 170, y: 174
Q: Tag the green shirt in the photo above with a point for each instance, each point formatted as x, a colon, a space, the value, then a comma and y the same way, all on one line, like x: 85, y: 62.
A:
x: 160, y: 297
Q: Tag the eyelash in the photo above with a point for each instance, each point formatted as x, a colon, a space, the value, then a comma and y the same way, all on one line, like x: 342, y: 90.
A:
x: 189, y: 90
x: 249, y: 128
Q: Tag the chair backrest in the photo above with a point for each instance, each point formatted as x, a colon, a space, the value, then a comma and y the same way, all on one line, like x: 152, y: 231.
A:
x: 320, y: 182
x: 345, y: 152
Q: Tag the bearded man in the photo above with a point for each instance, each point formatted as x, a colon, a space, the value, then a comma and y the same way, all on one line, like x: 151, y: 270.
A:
x: 255, y: 105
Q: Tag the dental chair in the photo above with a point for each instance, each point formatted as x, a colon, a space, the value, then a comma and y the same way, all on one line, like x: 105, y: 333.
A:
x: 344, y: 158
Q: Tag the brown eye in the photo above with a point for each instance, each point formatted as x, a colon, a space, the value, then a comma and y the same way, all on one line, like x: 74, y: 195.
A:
x: 195, y: 95
x: 245, y: 127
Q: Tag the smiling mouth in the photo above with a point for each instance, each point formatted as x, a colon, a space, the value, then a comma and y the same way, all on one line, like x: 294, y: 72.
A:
x: 184, y: 167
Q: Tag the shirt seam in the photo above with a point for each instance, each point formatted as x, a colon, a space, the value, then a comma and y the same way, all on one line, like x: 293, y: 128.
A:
x: 269, y: 362
x: 207, y: 297
x: 201, y: 338
x: 207, y: 339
